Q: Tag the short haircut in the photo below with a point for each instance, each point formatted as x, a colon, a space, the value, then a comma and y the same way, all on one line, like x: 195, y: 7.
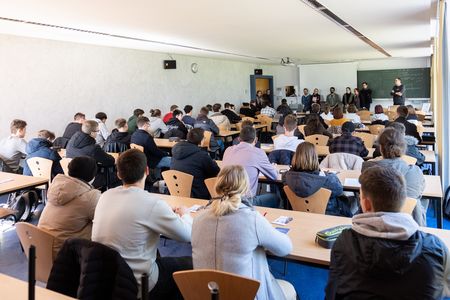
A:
x: 101, y: 116
x: 411, y: 110
x: 176, y: 113
x: 120, y: 123
x: 17, y: 124
x: 216, y: 107
x: 155, y: 112
x: 89, y: 126
x: 390, y: 182
x: 195, y: 136
x: 399, y: 79
x: 204, y: 111
x: 245, y: 104
x: 392, y: 143
x: 305, y: 158
x: 138, y: 112
x: 187, y: 109
x: 397, y: 126
x: 227, y: 105
x: 247, y: 122
x: 364, y: 82
x: 379, y: 109
x: 290, y: 122
x: 83, y: 168
x: 402, y: 111
x: 131, y: 166
x: 247, y: 134
x: 315, y: 108
x: 141, y: 121
x: 352, y: 108
x: 283, y: 101
x: 348, y: 127
x: 79, y: 116
x: 46, y: 134
x: 173, y: 107
x: 209, y: 107
x: 265, y: 104
x: 337, y: 112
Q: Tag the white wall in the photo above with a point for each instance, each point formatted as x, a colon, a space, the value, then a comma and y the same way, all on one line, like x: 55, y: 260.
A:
x: 45, y: 82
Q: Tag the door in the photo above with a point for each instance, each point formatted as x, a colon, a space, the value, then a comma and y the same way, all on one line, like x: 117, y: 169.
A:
x: 261, y: 83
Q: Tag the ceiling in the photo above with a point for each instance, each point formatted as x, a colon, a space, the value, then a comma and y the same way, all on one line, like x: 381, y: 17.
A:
x: 261, y: 31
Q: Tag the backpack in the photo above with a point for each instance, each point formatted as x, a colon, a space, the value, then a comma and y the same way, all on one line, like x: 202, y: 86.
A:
x: 23, y: 204
x: 447, y: 203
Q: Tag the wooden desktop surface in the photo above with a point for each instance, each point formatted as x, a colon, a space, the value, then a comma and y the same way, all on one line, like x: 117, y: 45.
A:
x: 15, y: 289
x: 13, y: 182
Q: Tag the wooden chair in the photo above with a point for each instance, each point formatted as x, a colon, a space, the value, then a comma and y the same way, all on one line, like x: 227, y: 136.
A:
x: 317, y: 139
x: 40, y: 167
x: 408, y: 206
x: 367, y: 138
x: 301, y: 128
x: 376, y: 129
x: 364, y: 115
x: 316, y: 203
x: 420, y: 129
x: 196, y: 284
x: 178, y: 183
x: 65, y: 165
x: 238, y: 126
x: 136, y: 146
x: 420, y: 116
x: 211, y: 186
x: 43, y: 241
x: 392, y: 115
x: 409, y: 159
x: 206, y: 140
x: 265, y: 120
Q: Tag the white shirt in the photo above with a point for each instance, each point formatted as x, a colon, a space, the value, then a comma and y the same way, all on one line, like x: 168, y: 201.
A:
x: 353, y: 117
x: 328, y: 116
x: 381, y: 117
x: 102, y: 133
x: 284, y: 142
x: 12, y: 150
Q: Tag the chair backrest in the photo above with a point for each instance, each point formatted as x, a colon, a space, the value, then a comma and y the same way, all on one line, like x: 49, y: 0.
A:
x: 301, y: 128
x: 40, y: 167
x: 193, y: 285
x: 136, y: 146
x: 178, y: 183
x: 210, y: 185
x: 248, y: 119
x: 392, y: 115
x: 364, y: 115
x: 409, y: 159
x: 43, y: 241
x: 316, y: 203
x: 376, y: 129
x: 420, y: 116
x: 206, y: 141
x: 239, y: 126
x: 317, y: 139
x: 408, y: 206
x: 393, y: 108
x: 265, y: 120
x: 420, y: 129
x: 65, y: 165
x: 367, y: 138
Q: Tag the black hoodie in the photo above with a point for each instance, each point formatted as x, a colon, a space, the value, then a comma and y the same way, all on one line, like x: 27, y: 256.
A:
x: 82, y: 144
x: 191, y: 159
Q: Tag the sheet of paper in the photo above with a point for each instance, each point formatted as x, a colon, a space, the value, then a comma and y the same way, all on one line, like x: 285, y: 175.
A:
x: 282, y: 220
x: 194, y: 208
x: 352, y: 182
x: 282, y: 230
x: 6, y: 180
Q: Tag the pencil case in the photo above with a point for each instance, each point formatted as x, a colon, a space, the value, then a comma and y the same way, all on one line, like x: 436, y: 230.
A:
x: 326, y: 238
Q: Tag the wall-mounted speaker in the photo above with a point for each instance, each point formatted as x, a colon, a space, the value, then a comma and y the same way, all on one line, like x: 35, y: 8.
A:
x: 170, y: 64
x: 258, y: 71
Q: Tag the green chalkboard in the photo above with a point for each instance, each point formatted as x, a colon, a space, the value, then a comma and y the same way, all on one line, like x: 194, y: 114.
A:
x: 416, y: 81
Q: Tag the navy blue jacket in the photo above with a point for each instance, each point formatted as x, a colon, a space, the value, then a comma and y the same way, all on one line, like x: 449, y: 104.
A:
x: 152, y: 152
x: 208, y: 125
x: 40, y: 147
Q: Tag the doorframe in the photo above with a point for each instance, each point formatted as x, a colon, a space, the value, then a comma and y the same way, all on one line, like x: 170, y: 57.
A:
x: 253, y: 85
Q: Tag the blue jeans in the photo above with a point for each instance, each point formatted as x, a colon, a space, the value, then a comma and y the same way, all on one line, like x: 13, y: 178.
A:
x: 164, y: 162
x: 266, y: 200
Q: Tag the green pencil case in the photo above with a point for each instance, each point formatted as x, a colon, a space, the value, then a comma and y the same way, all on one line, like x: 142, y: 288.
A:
x: 326, y: 238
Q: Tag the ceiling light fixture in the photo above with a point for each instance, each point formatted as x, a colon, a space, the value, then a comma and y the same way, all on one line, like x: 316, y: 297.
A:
x: 287, y: 62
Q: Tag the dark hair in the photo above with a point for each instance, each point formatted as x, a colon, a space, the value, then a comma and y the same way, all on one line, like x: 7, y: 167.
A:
x: 399, y: 79
x: 46, y: 134
x: 17, y: 124
x: 352, y: 108
x: 392, y: 143
x: 141, y: 121
x: 204, y: 111
x: 379, y: 109
x: 348, y: 127
x: 390, y: 182
x: 83, y: 168
x: 120, y: 122
x: 176, y: 113
x: 245, y: 104
x: 411, y: 110
x: 364, y: 82
x: 79, y: 115
x: 138, y: 112
x: 187, y: 108
x: 131, y: 166
x: 290, y: 122
x: 315, y: 108
x: 216, y: 107
x: 155, y: 113
x: 283, y: 101
x: 247, y: 122
x: 173, y: 107
x: 337, y: 112
x: 332, y: 87
x: 195, y: 136
x: 101, y: 116
x: 314, y: 122
x: 397, y: 126
x: 227, y: 105
x: 209, y: 107
x: 402, y: 111
x: 247, y: 134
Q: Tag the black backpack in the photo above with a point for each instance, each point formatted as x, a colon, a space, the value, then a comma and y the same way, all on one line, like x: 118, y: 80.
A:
x: 23, y: 204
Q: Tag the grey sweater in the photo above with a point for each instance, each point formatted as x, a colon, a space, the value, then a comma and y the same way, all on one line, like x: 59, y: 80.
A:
x: 236, y: 243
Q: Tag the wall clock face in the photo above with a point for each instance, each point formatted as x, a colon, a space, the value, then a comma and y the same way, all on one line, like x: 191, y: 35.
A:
x: 194, y: 67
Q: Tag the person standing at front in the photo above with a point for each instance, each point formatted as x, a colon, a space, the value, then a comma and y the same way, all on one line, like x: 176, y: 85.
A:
x: 398, y: 92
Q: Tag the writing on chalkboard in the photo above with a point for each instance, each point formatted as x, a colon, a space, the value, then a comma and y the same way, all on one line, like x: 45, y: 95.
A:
x: 416, y: 81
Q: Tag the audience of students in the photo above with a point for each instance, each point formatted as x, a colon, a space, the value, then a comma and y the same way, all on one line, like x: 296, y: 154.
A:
x: 379, y: 117
x: 267, y: 110
x: 247, y: 111
x: 352, y: 115
x: 13, y: 147
x: 230, y: 113
x: 132, y: 126
x: 189, y: 158
x: 220, y: 119
x: 288, y: 141
x: 392, y: 147
x: 411, y: 129
x: 208, y: 125
x: 157, y: 126
x: 155, y: 157
x: 176, y: 127
x: 169, y: 115
x: 130, y: 220
x: 229, y: 235
x: 385, y: 255
x: 71, y: 202
x: 42, y: 147
x: 119, y: 139
x: 347, y: 143
x: 314, y: 126
x: 305, y: 178
x: 187, y: 118
x: 103, y: 131
x: 74, y: 126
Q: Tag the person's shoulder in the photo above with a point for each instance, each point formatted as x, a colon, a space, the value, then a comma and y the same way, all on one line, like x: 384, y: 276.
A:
x: 432, y: 242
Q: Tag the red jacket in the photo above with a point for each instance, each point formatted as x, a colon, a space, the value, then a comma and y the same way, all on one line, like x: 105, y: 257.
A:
x: 167, y: 117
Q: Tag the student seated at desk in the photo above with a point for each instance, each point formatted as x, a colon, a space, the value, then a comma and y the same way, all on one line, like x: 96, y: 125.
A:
x: 187, y: 157
x: 347, y: 143
x: 103, y: 131
x: 338, y: 117
x: 385, y: 255
x: 42, y: 147
x: 169, y: 115
x: 305, y: 178
x: 157, y: 126
x: 351, y: 114
x: 204, y: 122
x: 220, y: 119
x: 187, y: 118
x: 13, y: 148
x: 267, y: 110
x: 132, y: 126
x: 71, y: 129
x: 119, y: 139
x: 176, y: 127
x: 246, y: 110
x: 230, y: 113
x: 379, y: 117
x: 411, y: 129
x: 130, y: 220
x: 237, y: 140
x: 314, y: 126
x: 326, y: 114
x: 412, y: 117
x: 288, y: 141
x: 71, y: 203
x: 392, y: 147
x: 229, y: 235
x: 315, y: 111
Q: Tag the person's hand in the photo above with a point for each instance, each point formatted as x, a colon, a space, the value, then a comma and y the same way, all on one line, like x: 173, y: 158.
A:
x: 182, y: 210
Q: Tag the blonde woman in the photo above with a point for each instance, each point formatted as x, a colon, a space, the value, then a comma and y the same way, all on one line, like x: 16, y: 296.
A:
x: 231, y: 236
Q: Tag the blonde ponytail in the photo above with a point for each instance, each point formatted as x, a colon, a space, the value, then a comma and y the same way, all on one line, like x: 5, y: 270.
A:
x: 232, y: 183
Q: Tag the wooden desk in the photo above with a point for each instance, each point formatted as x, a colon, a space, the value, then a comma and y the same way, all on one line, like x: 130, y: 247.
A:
x: 15, y: 289
x: 302, y: 229
x: 227, y: 133
x: 62, y: 153
x: 10, y: 183
x: 164, y: 143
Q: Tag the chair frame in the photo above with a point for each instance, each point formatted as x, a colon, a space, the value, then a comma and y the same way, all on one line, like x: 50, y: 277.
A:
x: 316, y: 203
x: 178, y: 183
x: 368, y: 138
x: 317, y: 139
x: 211, y: 186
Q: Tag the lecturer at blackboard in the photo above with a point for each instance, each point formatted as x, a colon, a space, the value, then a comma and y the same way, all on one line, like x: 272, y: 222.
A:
x: 398, y: 92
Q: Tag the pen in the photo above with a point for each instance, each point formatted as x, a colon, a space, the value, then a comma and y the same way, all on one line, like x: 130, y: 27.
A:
x: 265, y: 214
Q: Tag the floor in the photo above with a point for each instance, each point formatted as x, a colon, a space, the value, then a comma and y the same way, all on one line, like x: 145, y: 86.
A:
x: 309, y: 281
